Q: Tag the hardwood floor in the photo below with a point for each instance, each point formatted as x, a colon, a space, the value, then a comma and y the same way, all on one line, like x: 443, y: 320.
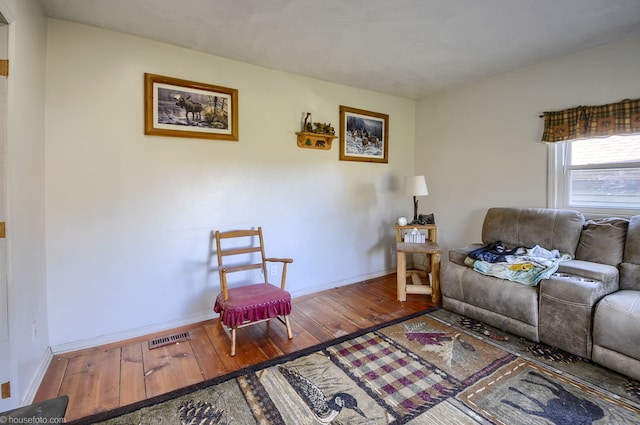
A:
x: 106, y: 377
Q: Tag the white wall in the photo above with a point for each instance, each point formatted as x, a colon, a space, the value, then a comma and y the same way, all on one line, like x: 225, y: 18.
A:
x: 479, y: 145
x: 129, y: 216
x: 27, y: 291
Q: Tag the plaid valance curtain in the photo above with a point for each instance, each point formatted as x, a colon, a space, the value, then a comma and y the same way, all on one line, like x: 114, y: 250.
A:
x: 585, y: 122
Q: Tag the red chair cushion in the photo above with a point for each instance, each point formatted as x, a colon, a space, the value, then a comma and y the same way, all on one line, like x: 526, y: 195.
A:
x: 252, y: 303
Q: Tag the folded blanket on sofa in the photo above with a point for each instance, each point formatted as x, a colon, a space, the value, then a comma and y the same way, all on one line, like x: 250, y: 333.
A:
x: 523, y: 265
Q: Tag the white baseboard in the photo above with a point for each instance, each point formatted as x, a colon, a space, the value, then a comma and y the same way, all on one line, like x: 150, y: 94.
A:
x: 131, y: 333
x: 38, y: 376
x: 339, y: 283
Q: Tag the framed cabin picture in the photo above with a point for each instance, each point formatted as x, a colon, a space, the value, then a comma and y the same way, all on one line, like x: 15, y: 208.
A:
x: 364, y: 135
x: 182, y: 108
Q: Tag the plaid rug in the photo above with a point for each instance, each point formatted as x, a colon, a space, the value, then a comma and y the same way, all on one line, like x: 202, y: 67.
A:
x: 435, y: 368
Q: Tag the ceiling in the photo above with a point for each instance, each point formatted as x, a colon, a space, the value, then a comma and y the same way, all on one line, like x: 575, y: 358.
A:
x: 408, y: 48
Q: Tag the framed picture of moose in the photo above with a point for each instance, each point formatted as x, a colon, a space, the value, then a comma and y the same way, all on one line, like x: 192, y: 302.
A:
x: 182, y: 108
x: 364, y: 135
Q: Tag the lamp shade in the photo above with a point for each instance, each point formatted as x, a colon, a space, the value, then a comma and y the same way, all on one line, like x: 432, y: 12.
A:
x: 415, y: 186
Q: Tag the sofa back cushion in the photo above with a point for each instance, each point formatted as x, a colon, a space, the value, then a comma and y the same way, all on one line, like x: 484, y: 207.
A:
x: 603, y: 241
x: 630, y: 268
x: 549, y: 228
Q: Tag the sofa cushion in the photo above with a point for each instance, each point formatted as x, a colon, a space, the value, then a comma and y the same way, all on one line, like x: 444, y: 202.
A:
x: 630, y: 276
x: 549, y: 228
x: 630, y: 268
x: 617, y: 323
x: 500, y: 296
x: 603, y: 241
x: 501, y: 303
x: 632, y: 245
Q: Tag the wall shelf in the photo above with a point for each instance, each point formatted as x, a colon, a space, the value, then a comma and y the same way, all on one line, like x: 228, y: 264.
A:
x: 314, y: 140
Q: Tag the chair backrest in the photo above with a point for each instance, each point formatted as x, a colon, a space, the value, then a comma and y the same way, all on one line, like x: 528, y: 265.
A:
x: 240, y: 251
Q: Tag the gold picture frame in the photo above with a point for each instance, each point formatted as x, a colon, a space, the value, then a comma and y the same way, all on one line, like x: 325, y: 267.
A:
x: 364, y: 135
x: 183, y: 108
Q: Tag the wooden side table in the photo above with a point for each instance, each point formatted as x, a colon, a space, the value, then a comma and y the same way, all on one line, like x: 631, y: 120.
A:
x: 431, y: 249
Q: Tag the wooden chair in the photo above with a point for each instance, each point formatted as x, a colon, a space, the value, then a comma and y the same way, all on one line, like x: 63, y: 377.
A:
x: 249, y: 304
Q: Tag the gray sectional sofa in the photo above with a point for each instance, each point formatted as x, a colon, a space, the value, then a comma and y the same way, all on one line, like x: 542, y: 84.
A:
x: 590, y: 305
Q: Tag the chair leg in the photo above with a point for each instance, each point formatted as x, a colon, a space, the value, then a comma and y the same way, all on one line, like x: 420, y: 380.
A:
x: 286, y: 321
x: 233, y: 342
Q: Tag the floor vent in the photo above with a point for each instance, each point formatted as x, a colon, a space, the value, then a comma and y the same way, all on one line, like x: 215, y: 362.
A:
x: 170, y: 339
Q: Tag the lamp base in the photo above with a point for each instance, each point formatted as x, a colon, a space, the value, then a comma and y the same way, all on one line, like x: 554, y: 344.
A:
x: 415, y: 211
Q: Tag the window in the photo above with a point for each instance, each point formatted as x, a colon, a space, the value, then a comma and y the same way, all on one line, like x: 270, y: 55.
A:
x: 596, y: 176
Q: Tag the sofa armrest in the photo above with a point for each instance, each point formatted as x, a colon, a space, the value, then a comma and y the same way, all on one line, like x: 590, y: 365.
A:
x: 567, y: 301
x: 458, y: 255
x: 595, y: 279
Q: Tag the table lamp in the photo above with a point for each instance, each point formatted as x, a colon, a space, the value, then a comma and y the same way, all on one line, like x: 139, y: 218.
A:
x: 416, y: 186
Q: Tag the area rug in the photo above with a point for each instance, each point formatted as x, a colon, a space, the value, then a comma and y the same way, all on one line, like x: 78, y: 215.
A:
x: 434, y: 368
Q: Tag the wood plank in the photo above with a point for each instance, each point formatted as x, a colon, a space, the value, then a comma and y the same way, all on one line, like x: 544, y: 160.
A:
x: 169, y: 367
x: 354, y: 314
x: 302, y: 338
x: 263, y: 334
x: 336, y: 324
x: 413, y: 303
x: 52, y: 380
x: 274, y: 341
x: 375, y: 309
x: 247, y: 352
x: 300, y: 320
x: 205, y: 354
x: 94, y: 382
x: 132, y: 385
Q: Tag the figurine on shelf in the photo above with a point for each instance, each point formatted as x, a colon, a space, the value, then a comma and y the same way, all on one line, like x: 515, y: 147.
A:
x: 307, y: 126
x: 320, y: 128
